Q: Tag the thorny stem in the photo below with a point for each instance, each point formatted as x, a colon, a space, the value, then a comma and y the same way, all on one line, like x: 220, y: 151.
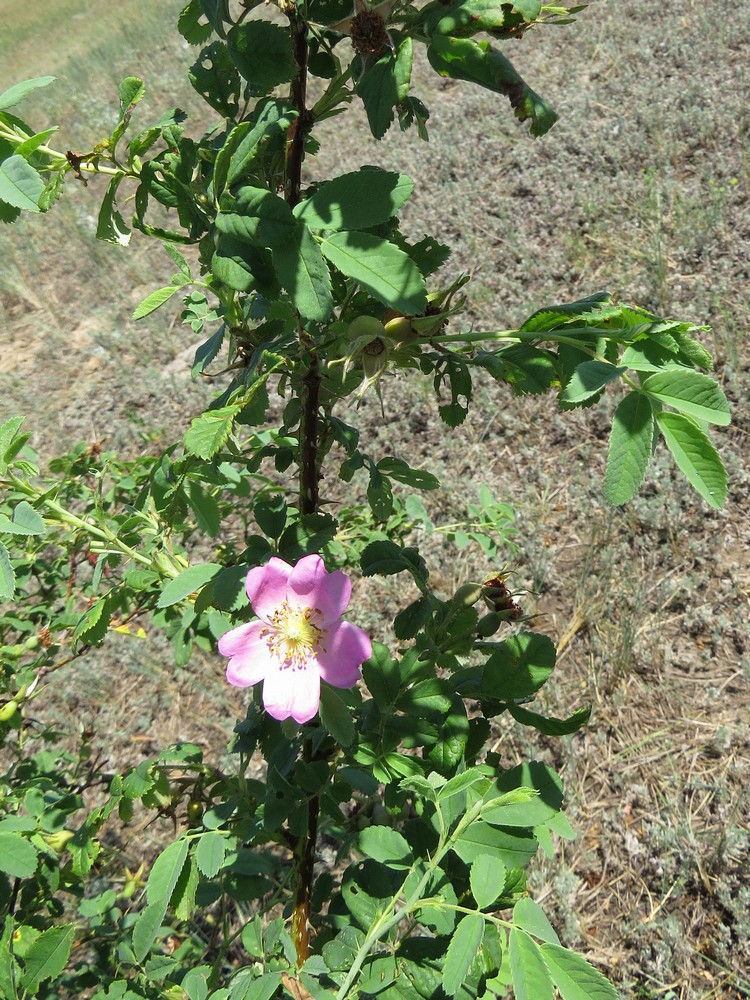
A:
x: 301, y: 124
x: 308, y: 465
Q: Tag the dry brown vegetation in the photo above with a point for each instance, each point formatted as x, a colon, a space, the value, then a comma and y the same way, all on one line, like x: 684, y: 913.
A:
x: 641, y: 189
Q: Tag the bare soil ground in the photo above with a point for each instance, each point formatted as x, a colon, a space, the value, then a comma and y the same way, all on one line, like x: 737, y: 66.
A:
x: 640, y: 189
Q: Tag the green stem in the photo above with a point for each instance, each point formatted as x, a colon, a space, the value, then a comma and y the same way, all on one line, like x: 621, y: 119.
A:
x: 167, y: 565
x: 530, y: 336
x: 385, y: 922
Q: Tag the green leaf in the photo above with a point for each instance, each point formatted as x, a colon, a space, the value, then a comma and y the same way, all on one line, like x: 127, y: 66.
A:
x: 8, y: 431
x: 18, y: 857
x: 399, y: 470
x: 205, y: 508
x: 262, y: 52
x: 455, y: 370
x: 515, y: 849
x: 306, y: 536
x: 152, y: 302
x: 480, y: 63
x: 214, y: 76
x: 195, y: 983
x: 690, y: 392
x: 209, y: 432
x: 7, y: 575
x: 459, y: 783
x: 529, y: 370
x: 110, y: 226
x: 427, y: 697
x: 531, y: 978
x: 549, y: 725
x: 358, y: 200
x: 630, y: 446
x: 262, y: 987
x: 382, y: 269
x: 379, y: 495
x: 189, y: 26
x: 487, y: 879
x: 191, y: 579
x: 20, y: 185
x: 130, y: 92
x: 247, y: 140
x: 228, y: 591
x: 382, y: 676
x: 588, y: 379
x: 462, y: 951
x: 387, y: 846
x: 147, y: 927
x: 530, y: 917
x: 530, y: 809
x: 695, y: 456
x: 528, y: 9
x: 93, y: 623
x: 207, y: 351
x: 258, y: 216
x: 412, y: 618
x: 25, y: 520
x: 385, y: 83
x: 368, y: 888
x: 243, y: 267
x: 15, y: 94
x: 336, y: 716
x: 464, y: 17
x: 304, y: 274
x: 176, y: 257
x: 386, y: 558
x: 183, y: 897
x: 210, y: 853
x: 574, y: 977
x: 519, y: 667
x: 30, y: 145
x: 47, y: 956
x: 162, y: 881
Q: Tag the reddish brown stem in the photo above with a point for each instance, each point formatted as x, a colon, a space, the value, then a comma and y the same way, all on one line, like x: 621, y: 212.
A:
x: 308, y: 464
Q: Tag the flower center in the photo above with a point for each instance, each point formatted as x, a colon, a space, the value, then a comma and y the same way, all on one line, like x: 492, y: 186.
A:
x: 293, y: 636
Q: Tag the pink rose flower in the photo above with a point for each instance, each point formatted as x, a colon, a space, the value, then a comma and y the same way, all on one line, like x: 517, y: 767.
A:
x: 299, y: 638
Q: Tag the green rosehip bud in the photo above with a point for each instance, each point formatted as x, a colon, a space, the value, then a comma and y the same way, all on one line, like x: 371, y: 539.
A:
x: 8, y: 710
x: 194, y: 811
x: 467, y: 594
x: 401, y: 330
x: 489, y: 624
x: 58, y: 841
x: 366, y: 326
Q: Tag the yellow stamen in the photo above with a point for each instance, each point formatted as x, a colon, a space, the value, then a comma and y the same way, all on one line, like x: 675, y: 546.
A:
x: 293, y: 635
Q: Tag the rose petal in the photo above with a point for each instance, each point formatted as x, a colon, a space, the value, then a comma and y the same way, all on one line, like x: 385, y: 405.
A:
x: 250, y: 657
x: 267, y: 586
x: 295, y: 693
x: 314, y: 587
x: 346, y: 649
